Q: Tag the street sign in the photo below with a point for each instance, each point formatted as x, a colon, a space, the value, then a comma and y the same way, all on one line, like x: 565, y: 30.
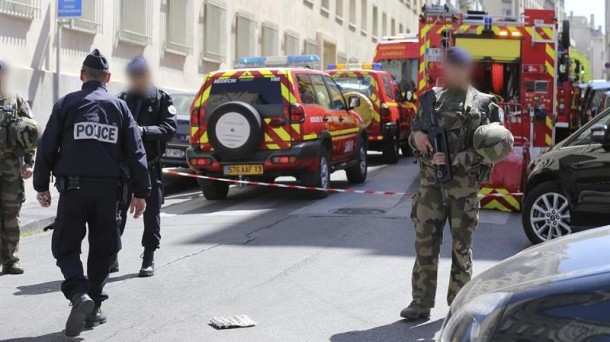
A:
x: 69, y: 9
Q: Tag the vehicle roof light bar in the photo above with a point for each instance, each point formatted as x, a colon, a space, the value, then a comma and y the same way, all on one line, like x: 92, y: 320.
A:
x: 308, y: 61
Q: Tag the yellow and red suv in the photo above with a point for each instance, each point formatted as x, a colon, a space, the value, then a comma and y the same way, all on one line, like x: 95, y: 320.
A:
x: 263, y: 121
x: 384, y: 108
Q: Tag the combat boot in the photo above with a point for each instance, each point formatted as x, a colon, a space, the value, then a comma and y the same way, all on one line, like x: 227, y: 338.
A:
x: 95, y: 318
x: 13, y: 268
x: 148, y: 263
x: 114, y: 263
x: 414, y: 312
x: 82, y: 306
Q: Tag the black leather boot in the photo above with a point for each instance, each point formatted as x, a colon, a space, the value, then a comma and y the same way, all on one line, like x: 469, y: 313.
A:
x: 148, y: 263
x: 414, y: 312
x: 13, y: 268
x: 95, y: 318
x: 82, y: 305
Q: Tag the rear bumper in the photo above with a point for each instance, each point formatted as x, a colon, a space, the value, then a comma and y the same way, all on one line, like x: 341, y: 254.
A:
x: 377, y: 140
x: 306, y: 153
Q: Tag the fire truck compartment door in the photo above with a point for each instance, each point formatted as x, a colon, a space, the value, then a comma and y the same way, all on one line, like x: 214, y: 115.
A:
x: 501, y: 50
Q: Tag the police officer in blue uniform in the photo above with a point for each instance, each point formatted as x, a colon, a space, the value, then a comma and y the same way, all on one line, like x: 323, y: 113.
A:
x: 155, y: 115
x: 88, y: 137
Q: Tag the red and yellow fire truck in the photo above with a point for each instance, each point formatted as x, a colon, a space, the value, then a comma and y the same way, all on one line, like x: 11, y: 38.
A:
x: 399, y: 56
x: 520, y: 60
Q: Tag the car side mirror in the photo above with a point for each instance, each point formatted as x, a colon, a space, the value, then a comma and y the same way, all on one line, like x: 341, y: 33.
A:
x: 599, y: 134
x: 354, y: 101
x: 409, y: 95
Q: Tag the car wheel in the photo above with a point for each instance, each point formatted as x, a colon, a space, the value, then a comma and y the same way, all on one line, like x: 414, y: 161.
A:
x: 546, y: 213
x: 357, y: 174
x: 321, y: 177
x: 214, y: 190
x: 391, y: 150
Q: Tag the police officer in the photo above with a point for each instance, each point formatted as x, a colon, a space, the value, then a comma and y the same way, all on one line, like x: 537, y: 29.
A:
x: 460, y: 109
x: 155, y: 115
x: 88, y: 137
x: 15, y: 165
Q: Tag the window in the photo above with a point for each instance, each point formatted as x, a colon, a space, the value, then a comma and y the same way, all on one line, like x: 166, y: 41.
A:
x: 306, y: 89
x: 401, y: 29
x: 325, y: 7
x: 179, y: 26
x: 387, y: 85
x: 321, y: 91
x: 270, y: 40
x: 214, y: 32
x: 339, y: 9
x: 352, y: 14
x: 91, y: 20
x: 364, y: 16
x: 375, y: 29
x: 337, y: 99
x: 584, y: 137
x: 29, y: 9
x: 135, y: 29
x: 311, y: 47
x: 291, y: 43
x: 384, y: 25
x: 245, y: 36
x: 393, y: 26
x: 341, y: 58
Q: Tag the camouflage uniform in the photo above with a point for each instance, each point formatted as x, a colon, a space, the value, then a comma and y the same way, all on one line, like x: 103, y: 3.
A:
x: 11, y: 186
x: 429, y: 213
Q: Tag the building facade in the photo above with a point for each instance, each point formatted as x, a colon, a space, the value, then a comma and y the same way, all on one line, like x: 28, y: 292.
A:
x: 590, y: 41
x: 184, y: 39
x: 515, y: 8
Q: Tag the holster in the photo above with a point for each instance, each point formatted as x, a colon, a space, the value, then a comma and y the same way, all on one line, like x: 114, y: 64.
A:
x: 63, y: 184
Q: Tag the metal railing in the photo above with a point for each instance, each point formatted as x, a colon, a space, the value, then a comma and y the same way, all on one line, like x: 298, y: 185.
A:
x: 91, y: 21
x: 135, y: 22
x: 28, y: 9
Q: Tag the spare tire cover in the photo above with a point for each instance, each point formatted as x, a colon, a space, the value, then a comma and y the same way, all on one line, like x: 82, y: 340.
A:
x: 234, y: 129
x: 365, y: 110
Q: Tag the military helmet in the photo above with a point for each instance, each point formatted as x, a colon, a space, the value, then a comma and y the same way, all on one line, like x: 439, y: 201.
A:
x: 28, y: 133
x: 493, y: 142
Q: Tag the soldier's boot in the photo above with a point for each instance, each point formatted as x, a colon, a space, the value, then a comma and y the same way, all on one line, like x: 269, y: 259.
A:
x: 95, y: 318
x: 114, y: 263
x: 414, y: 312
x: 82, y: 306
x: 13, y: 268
x: 148, y: 263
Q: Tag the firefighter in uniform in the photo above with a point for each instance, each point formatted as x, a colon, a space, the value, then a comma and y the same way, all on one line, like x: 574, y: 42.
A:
x: 155, y: 115
x: 16, y: 159
x: 90, y: 135
x: 460, y: 109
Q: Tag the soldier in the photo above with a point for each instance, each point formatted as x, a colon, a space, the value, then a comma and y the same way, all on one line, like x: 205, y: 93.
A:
x: 155, y: 115
x: 460, y: 109
x: 16, y: 162
x: 96, y: 135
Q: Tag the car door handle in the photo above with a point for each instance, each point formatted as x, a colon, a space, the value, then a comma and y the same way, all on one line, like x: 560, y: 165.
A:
x: 325, y: 118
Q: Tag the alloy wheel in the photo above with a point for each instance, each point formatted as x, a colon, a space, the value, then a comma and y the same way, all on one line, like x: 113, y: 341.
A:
x: 550, y: 216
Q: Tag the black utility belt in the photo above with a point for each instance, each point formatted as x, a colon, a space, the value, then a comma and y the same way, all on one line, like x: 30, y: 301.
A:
x: 73, y: 182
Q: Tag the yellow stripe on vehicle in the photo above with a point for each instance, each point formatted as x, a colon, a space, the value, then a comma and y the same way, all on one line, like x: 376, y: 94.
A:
x: 204, y: 138
x: 424, y: 30
x: 344, y: 131
x: 311, y: 136
x: 550, y: 50
x: 268, y: 138
x: 285, y: 93
x: 296, y: 128
x: 281, y: 132
x: 550, y: 68
x: 273, y: 146
x: 548, y: 31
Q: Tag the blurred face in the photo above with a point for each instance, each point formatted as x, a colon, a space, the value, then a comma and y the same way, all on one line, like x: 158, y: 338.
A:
x: 140, y: 83
x: 457, y: 75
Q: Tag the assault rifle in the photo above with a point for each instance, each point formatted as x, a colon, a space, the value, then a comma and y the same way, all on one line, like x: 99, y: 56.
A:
x: 437, y: 136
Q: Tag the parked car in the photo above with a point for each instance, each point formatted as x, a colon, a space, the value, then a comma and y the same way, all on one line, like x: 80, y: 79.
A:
x: 592, y: 98
x: 175, y: 153
x: 387, y: 114
x: 568, y: 187
x: 557, y: 291
x: 264, y: 121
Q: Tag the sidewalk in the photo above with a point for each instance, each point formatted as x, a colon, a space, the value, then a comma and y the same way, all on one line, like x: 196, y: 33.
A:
x: 34, y: 217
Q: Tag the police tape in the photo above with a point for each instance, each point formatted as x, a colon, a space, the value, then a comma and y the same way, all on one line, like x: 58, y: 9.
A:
x: 313, y: 188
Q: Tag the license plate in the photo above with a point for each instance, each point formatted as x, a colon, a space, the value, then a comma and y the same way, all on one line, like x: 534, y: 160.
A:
x: 174, y: 153
x: 239, y: 170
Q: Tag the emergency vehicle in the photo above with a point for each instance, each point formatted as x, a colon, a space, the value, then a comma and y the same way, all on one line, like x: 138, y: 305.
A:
x: 383, y: 108
x: 399, y: 55
x: 520, y: 60
x: 272, y: 117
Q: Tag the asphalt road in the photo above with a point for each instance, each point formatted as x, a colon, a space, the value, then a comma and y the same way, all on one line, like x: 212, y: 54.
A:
x: 335, y: 270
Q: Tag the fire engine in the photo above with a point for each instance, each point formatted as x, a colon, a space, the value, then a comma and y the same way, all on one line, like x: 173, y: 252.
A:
x: 399, y: 55
x: 524, y: 62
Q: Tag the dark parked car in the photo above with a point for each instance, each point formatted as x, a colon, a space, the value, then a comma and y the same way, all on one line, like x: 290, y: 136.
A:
x: 175, y: 155
x: 568, y: 187
x: 555, y: 292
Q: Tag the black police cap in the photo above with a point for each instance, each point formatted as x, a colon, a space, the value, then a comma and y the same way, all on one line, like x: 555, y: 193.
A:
x: 459, y: 56
x: 95, y: 60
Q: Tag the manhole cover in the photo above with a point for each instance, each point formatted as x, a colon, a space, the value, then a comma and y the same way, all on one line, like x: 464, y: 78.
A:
x: 357, y: 211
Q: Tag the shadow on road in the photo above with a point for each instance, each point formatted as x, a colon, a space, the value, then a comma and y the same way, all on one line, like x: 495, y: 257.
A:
x: 55, y: 286
x: 53, y: 337
x: 398, y: 331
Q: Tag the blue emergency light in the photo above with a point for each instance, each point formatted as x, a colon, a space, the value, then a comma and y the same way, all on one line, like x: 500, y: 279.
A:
x: 487, y: 23
x: 310, y: 61
x: 349, y: 66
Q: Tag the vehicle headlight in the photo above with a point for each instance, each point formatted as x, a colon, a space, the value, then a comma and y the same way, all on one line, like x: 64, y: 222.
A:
x: 476, y: 320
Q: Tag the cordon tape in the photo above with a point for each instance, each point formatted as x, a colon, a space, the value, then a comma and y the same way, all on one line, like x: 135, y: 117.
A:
x: 301, y: 187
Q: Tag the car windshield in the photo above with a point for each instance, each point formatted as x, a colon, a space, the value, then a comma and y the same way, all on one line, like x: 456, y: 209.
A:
x: 583, y: 137
x: 254, y: 91
x: 362, y: 85
x: 182, y: 102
